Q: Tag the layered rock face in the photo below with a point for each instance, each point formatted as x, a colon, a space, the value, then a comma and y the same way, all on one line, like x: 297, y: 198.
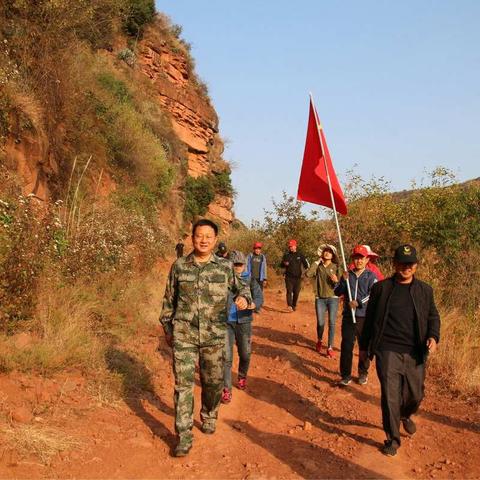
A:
x: 193, y: 118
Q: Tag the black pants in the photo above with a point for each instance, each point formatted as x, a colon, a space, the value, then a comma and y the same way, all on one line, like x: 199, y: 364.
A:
x: 293, y: 286
x: 350, y: 331
x: 402, y: 380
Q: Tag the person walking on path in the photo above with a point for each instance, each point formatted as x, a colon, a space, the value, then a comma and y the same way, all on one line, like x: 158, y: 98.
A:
x: 361, y: 281
x: 194, y: 321
x: 294, y: 264
x: 402, y: 327
x: 222, y: 250
x: 179, y: 247
x: 372, y: 265
x: 257, y: 268
x: 326, y: 272
x: 239, y: 328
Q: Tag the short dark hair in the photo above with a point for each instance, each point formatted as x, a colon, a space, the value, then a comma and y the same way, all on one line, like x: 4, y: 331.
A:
x: 205, y: 222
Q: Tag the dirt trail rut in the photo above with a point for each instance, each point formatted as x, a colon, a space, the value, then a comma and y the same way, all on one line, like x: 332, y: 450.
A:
x: 291, y: 422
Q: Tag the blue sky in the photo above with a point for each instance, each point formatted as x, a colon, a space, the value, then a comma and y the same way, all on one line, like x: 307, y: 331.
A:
x: 396, y: 85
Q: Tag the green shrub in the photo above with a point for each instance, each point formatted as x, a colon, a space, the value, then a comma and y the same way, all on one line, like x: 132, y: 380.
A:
x: 138, y: 13
x: 222, y: 183
x: 115, y: 86
x: 199, y: 193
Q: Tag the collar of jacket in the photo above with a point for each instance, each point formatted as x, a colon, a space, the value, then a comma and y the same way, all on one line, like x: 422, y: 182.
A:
x: 190, y: 258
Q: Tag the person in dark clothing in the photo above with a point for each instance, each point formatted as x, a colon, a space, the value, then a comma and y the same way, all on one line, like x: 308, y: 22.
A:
x: 402, y: 327
x: 179, y: 248
x: 361, y: 281
x: 294, y: 264
x: 222, y: 250
x: 257, y: 268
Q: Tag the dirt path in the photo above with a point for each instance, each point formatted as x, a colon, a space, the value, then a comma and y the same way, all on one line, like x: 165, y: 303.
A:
x: 291, y: 422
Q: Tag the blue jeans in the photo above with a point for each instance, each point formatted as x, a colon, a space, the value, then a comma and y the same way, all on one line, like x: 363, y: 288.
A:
x: 241, y: 334
x: 322, y: 305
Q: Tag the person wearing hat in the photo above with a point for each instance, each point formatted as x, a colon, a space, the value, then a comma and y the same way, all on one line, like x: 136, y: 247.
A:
x: 222, y: 251
x: 361, y: 281
x: 239, y: 328
x: 294, y: 264
x: 326, y: 272
x: 372, y: 263
x: 257, y: 268
x: 402, y: 327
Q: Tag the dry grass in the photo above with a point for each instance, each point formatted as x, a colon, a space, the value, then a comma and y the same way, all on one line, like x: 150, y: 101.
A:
x: 455, y: 363
x: 43, y: 442
x: 61, y: 336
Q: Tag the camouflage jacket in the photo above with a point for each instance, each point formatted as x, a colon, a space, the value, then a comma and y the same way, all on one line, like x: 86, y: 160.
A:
x: 195, y: 303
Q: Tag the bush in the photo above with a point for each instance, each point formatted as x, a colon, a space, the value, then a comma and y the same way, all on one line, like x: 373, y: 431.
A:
x: 222, y: 183
x: 138, y: 13
x: 199, y: 193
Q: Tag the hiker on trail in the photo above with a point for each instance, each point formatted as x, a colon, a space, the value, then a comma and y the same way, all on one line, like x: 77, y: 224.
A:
x: 326, y: 272
x: 361, y: 281
x: 222, y: 250
x: 371, y: 265
x: 239, y: 328
x: 179, y: 248
x: 257, y: 268
x: 294, y: 264
x: 194, y: 321
x: 401, y: 328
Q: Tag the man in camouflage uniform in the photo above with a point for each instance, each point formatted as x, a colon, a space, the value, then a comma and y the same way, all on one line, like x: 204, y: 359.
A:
x: 194, y: 320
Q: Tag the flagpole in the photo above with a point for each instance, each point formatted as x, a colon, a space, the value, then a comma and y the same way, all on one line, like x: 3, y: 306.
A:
x: 317, y: 123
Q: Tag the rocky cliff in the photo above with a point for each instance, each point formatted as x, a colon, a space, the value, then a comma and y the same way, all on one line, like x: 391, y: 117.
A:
x: 193, y: 118
x: 26, y: 146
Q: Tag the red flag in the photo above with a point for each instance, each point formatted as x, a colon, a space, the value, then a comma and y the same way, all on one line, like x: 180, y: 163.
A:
x: 313, y: 184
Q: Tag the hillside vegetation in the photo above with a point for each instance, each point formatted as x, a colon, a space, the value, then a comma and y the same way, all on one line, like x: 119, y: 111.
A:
x: 94, y: 185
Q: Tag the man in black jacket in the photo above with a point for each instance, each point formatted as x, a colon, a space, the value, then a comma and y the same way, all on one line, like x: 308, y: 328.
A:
x: 402, y: 326
x: 294, y: 264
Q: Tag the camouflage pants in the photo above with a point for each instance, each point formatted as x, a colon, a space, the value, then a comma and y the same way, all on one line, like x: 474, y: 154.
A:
x: 211, y: 362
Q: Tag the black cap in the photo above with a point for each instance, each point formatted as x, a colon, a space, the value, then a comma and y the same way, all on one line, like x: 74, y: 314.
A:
x: 405, y: 254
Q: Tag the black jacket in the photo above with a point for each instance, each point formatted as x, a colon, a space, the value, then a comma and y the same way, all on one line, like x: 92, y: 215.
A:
x: 296, y: 264
x: 428, y: 319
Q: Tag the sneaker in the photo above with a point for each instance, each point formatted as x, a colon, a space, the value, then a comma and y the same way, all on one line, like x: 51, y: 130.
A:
x: 208, y: 427
x: 409, y: 425
x: 242, y: 383
x: 345, y: 381
x: 363, y: 379
x: 318, y: 346
x: 182, y: 449
x: 290, y: 309
x: 389, y: 448
x: 226, y: 396
x: 330, y: 352
x: 294, y: 308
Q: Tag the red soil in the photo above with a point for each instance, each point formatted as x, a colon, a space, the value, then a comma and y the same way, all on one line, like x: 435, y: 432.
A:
x: 291, y: 422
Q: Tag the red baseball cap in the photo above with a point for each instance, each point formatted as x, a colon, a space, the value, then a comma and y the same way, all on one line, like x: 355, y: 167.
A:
x: 360, y: 250
x: 257, y: 245
x: 292, y: 243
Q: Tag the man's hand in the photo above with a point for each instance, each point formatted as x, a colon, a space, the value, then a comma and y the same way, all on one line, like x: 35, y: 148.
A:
x: 264, y: 283
x: 285, y: 263
x: 353, y: 304
x: 334, y: 278
x: 252, y: 306
x: 362, y: 355
x: 345, y: 275
x: 241, y: 303
x: 169, y: 340
x: 431, y: 345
